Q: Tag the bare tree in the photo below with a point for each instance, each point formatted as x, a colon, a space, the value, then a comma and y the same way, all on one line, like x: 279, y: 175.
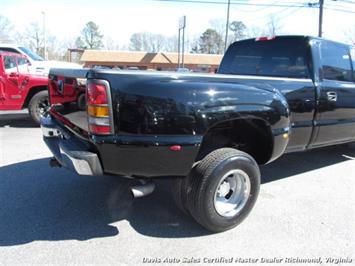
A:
x: 273, y: 26
x: 254, y: 32
x: 33, y: 37
x: 6, y: 28
x: 238, y: 29
x: 56, y: 49
x: 137, y: 42
x: 110, y: 44
x: 146, y: 41
x: 171, y: 44
x: 155, y: 42
x: 219, y: 25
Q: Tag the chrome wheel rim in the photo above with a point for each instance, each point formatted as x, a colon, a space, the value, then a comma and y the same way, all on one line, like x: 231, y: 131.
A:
x: 42, y: 106
x: 232, y: 193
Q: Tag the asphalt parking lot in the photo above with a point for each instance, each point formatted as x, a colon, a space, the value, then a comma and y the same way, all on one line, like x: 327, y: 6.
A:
x: 305, y: 210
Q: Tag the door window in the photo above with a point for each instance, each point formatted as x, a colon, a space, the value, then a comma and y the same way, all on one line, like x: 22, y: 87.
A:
x: 10, y: 64
x: 22, y: 63
x: 335, y: 61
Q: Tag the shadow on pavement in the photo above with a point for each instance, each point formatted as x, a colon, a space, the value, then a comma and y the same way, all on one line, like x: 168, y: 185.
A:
x: 19, y: 120
x: 41, y: 203
x: 301, y: 162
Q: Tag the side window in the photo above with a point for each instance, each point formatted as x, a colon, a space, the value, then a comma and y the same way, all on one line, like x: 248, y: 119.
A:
x: 352, y: 54
x: 10, y: 64
x: 335, y: 61
x: 22, y: 63
x: 7, y: 49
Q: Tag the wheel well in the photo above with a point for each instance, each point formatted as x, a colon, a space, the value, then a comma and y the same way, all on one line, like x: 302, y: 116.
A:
x: 252, y: 136
x: 31, y: 93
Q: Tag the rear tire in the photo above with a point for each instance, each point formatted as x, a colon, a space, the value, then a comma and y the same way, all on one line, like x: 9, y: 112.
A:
x: 81, y: 102
x: 179, y: 193
x: 224, y: 187
x: 38, y: 105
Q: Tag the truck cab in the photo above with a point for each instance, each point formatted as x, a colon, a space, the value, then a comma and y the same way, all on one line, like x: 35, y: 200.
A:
x: 37, y: 65
x: 316, y: 77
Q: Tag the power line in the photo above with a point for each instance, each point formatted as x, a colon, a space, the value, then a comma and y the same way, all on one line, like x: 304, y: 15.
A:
x: 304, y: 5
x: 279, y: 12
x: 287, y: 14
x: 347, y: 1
x: 343, y: 7
x: 257, y: 10
x: 340, y: 10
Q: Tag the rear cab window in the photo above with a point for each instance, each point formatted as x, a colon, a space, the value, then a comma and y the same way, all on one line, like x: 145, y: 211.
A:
x: 336, y: 61
x: 279, y: 57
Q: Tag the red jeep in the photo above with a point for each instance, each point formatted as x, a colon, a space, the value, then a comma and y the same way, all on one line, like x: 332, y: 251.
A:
x: 19, y: 89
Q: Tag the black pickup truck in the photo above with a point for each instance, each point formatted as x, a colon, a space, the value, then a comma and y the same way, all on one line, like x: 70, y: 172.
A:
x: 208, y: 133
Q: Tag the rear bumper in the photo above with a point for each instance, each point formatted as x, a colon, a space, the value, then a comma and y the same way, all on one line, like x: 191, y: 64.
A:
x: 70, y: 151
x: 130, y: 156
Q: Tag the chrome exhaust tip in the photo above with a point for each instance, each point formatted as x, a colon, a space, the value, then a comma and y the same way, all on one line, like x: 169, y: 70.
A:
x: 145, y: 188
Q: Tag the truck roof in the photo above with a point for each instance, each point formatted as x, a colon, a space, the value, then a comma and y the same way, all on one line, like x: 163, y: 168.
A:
x: 11, y: 53
x: 309, y: 37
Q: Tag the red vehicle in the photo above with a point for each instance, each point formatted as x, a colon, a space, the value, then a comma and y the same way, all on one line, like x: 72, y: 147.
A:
x: 68, y: 92
x: 19, y: 89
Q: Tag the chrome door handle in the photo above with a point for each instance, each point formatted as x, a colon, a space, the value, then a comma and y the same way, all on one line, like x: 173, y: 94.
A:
x: 332, y: 96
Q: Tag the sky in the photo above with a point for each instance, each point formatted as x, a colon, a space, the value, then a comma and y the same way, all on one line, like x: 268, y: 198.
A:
x: 119, y: 19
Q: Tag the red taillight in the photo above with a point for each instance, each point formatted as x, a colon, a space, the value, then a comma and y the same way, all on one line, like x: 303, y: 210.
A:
x: 98, y: 108
x: 96, y: 94
x: 265, y: 38
x: 100, y: 130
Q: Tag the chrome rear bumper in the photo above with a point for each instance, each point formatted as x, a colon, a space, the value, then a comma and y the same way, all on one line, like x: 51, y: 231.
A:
x: 69, y: 150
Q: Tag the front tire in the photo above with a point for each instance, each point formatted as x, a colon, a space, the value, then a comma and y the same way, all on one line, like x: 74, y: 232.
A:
x: 223, y: 189
x: 38, y: 105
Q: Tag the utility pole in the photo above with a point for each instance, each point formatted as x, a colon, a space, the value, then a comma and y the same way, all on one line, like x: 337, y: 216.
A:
x: 44, y: 36
x: 182, y: 26
x: 227, y: 26
x: 179, y: 39
x: 320, y: 24
x: 183, y: 44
